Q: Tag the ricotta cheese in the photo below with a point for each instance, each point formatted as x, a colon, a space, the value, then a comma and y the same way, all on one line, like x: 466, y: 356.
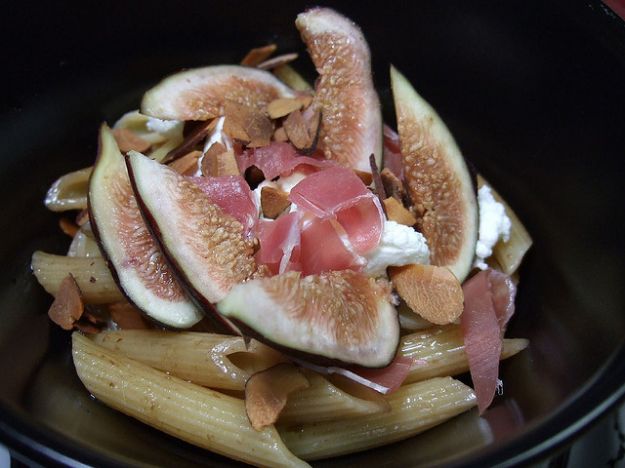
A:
x: 494, y: 225
x: 163, y: 127
x: 399, y: 245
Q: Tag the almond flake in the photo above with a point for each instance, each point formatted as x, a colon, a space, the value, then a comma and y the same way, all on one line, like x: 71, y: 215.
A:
x: 433, y: 292
x: 277, y: 61
x: 303, y: 130
x: 366, y: 177
x: 266, y: 393
x: 82, y: 217
x: 280, y: 134
x: 283, y: 106
x: 127, y: 316
x: 218, y: 161
x: 127, y: 140
x: 258, y: 55
x: 395, y: 211
x: 68, y: 227
x: 68, y: 306
x: 392, y: 185
x: 186, y: 165
x: 273, y: 201
x: 259, y: 128
x: 199, y: 132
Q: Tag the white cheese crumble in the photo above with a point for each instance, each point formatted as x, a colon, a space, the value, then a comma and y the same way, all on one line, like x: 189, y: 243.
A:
x: 163, y: 127
x: 399, y: 245
x: 494, y: 225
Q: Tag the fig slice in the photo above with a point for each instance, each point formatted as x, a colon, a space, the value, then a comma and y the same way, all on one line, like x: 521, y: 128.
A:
x: 438, y: 180
x: 132, y: 254
x: 338, y: 317
x: 351, y: 122
x: 205, y: 246
x: 200, y: 93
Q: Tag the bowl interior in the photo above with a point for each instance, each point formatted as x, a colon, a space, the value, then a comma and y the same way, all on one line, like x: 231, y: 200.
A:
x: 534, y: 98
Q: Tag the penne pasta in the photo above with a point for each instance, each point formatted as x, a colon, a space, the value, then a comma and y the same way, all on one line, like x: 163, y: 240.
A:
x: 201, y: 358
x: 439, y: 351
x: 197, y: 415
x: 83, y: 245
x: 159, y: 153
x: 414, y: 408
x: 91, y: 273
x: 292, y: 78
x: 69, y: 192
x: 324, y: 401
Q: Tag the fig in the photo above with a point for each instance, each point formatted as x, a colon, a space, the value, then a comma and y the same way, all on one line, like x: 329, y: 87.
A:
x: 205, y: 247
x: 351, y: 122
x: 200, y: 93
x: 133, y: 256
x: 438, y: 180
x: 337, y: 317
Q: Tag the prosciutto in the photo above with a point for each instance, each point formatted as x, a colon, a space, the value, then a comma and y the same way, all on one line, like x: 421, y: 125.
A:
x: 338, y: 193
x: 278, y: 158
x: 279, y: 243
x: 233, y: 195
x: 488, y: 305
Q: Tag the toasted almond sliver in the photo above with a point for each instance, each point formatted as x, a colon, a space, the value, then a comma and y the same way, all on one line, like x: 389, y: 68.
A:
x: 68, y: 227
x: 82, y: 217
x: 392, y: 185
x: 273, y: 201
x: 277, y: 61
x: 303, y: 130
x: 127, y: 140
x: 258, y: 55
x: 222, y: 163
x: 283, y: 106
x: 127, y: 316
x: 395, y: 211
x: 199, y: 132
x: 186, y: 165
x: 280, y: 134
x: 266, y: 393
x: 259, y: 128
x: 68, y: 306
x: 433, y: 292
x: 366, y: 177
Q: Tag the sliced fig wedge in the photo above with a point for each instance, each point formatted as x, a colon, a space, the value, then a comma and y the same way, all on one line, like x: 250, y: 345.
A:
x: 205, y: 247
x: 339, y: 317
x: 351, y: 122
x: 438, y: 180
x: 134, y: 258
x: 200, y: 93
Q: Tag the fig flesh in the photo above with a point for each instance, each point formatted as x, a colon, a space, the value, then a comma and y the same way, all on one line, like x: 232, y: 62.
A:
x: 338, y: 317
x: 205, y: 247
x: 351, y: 121
x: 200, y: 93
x: 438, y: 180
x: 134, y: 257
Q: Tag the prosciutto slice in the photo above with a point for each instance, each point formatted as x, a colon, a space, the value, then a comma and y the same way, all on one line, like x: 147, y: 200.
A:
x: 279, y: 243
x: 278, y: 158
x: 338, y: 193
x: 233, y: 195
x: 488, y: 305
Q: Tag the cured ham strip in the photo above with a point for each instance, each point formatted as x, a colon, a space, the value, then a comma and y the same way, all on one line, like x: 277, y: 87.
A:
x: 488, y: 305
x: 339, y: 193
x: 279, y: 243
x: 323, y: 249
x: 233, y: 196
x: 278, y: 158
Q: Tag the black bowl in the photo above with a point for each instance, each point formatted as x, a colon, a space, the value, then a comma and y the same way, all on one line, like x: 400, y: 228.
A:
x: 534, y: 93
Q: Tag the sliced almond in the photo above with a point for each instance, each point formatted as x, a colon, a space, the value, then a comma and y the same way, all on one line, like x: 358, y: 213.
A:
x: 82, y: 217
x: 187, y: 165
x: 432, y: 292
x: 273, y: 201
x: 395, y: 211
x: 392, y: 185
x: 303, y: 130
x: 280, y: 134
x: 283, y: 106
x: 366, y: 177
x: 127, y: 140
x: 219, y: 162
x: 68, y: 227
x: 127, y: 316
x: 247, y: 124
x: 277, y: 61
x: 193, y: 138
x: 266, y: 393
x: 68, y: 306
x: 258, y: 55
x: 259, y: 128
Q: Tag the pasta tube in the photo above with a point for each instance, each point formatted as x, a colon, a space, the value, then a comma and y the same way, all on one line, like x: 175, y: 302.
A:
x: 414, y: 408
x: 439, y: 351
x: 69, y: 192
x: 201, y: 358
x: 91, y: 273
x: 197, y: 415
